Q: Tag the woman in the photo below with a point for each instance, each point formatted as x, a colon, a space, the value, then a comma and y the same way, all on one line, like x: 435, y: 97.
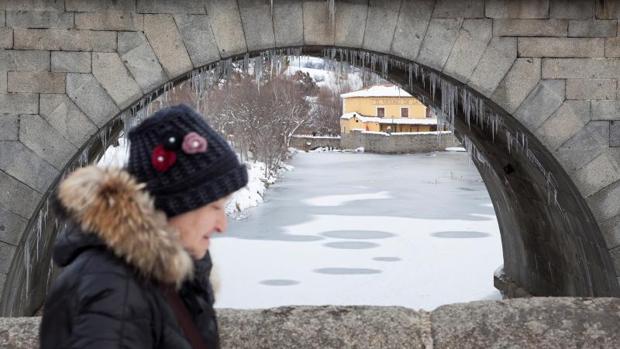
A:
x: 136, y: 263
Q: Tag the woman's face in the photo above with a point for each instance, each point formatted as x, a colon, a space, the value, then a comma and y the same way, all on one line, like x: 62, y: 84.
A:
x: 197, y: 226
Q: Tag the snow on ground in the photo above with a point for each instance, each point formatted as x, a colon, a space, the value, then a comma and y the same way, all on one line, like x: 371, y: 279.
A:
x: 315, y: 68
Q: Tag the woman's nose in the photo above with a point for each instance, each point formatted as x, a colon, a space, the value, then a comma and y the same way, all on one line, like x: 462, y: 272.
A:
x: 222, y: 224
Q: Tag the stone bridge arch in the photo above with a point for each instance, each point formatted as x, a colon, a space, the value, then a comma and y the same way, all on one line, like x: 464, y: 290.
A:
x: 549, y: 70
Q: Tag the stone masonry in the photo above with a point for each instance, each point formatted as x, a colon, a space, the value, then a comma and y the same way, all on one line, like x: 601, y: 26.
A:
x: 535, y: 323
x: 68, y: 67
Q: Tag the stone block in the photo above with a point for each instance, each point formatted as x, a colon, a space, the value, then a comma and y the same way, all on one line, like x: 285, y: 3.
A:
x: 66, y: 118
x: 517, y: 84
x: 227, y: 28
x: 380, y: 25
x: 571, y: 117
x: 465, y: 8
x: 596, y: 175
x: 580, y: 68
x: 3, y: 82
x: 411, y: 28
x: 109, y: 20
x: 606, y: 110
x: 588, y: 143
x: 165, y: 39
x: 611, y: 231
x: 257, y: 24
x: 17, y: 197
x: 288, y: 23
x: 607, y: 10
x: 99, y: 5
x: 438, y: 42
x: 2, y: 18
x: 497, y: 59
x: 65, y: 40
x: 527, y: 323
x: 91, y: 98
x: 606, y: 203
x: 167, y: 6
x: 45, y: 141
x: 6, y: 256
x: 23, y: 164
x: 36, y: 82
x: 349, y: 18
x: 24, y: 60
x: 614, y: 134
x: 19, y: 103
x: 572, y: 9
x: 141, y: 61
x: 39, y: 19
x: 517, y: 9
x: 6, y: 37
x: 198, y: 38
x: 11, y: 226
x: 318, y: 28
x: 592, y: 28
x: 561, y: 47
x: 71, y: 62
x: 473, y: 38
x: 9, y: 127
x: 530, y: 27
x: 591, y: 89
x: 612, y: 47
x: 43, y: 5
x: 544, y: 99
x: 115, y: 79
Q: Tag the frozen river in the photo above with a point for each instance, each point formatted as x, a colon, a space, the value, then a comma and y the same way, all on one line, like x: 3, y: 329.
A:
x: 351, y: 228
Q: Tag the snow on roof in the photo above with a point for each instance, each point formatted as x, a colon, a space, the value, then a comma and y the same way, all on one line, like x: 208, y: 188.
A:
x: 378, y: 91
x: 390, y: 121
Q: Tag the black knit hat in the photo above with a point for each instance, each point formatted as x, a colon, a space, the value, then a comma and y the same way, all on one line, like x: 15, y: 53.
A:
x: 183, y: 161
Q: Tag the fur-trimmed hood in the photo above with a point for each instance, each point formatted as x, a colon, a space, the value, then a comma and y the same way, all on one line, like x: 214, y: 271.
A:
x: 110, y: 206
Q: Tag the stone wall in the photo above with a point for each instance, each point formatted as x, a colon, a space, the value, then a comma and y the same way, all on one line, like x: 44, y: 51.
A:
x: 550, y: 68
x: 383, y: 143
x: 535, y: 323
x: 312, y: 142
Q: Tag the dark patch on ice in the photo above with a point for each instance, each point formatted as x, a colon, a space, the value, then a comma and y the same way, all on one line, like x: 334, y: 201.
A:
x: 467, y: 189
x: 279, y: 282
x: 387, y: 259
x: 460, y: 234
x: 357, y: 234
x: 351, y: 245
x: 347, y: 271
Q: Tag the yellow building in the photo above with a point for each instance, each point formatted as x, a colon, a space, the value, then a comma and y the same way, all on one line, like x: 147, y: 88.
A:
x: 384, y: 108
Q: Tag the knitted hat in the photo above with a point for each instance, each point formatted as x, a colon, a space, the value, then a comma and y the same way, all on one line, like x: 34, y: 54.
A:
x: 184, y: 162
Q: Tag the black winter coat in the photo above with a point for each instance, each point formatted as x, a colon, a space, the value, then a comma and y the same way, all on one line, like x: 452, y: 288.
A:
x: 115, y: 260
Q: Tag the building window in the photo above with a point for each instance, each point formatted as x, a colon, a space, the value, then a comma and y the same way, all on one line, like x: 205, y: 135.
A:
x: 380, y: 112
x: 404, y: 112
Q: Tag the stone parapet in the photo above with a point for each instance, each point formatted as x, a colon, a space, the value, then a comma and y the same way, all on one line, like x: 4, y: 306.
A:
x: 518, y: 323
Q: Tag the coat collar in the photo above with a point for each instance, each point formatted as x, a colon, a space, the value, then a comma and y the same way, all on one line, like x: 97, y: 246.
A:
x: 111, y: 204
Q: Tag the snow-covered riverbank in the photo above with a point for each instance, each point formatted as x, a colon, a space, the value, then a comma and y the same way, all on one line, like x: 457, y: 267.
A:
x: 252, y: 194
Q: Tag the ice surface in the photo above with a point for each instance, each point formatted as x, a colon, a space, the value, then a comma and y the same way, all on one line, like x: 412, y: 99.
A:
x: 337, y: 242
x: 337, y: 200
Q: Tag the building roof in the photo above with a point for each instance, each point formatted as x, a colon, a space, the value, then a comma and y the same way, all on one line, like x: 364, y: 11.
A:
x: 378, y: 91
x: 390, y: 121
